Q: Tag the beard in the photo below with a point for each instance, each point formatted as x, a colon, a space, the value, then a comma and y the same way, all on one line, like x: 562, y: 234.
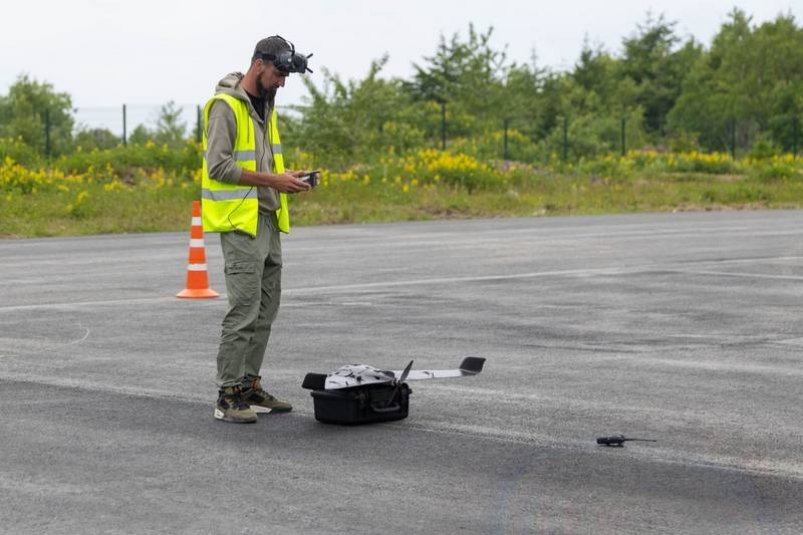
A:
x: 268, y: 93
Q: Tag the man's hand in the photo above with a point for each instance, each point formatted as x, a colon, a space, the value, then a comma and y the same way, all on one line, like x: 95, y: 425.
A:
x: 287, y: 182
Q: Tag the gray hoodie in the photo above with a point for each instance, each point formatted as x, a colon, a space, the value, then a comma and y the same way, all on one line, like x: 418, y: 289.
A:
x: 221, y: 133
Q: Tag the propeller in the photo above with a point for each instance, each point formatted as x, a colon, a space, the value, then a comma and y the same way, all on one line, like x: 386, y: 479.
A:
x: 399, y: 382
x: 405, y: 372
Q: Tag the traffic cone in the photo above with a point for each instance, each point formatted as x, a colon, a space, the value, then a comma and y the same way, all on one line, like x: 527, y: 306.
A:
x: 197, y: 286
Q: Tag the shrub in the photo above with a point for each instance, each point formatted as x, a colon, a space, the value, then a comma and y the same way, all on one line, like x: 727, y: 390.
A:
x: 776, y: 168
x: 19, y: 151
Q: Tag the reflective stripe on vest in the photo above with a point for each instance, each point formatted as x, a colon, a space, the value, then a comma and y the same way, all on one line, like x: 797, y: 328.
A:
x: 225, y: 195
x: 227, y: 207
x: 242, y: 155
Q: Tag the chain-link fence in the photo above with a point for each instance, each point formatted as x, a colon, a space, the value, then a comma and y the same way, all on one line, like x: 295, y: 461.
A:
x: 122, y: 120
x: 570, y: 138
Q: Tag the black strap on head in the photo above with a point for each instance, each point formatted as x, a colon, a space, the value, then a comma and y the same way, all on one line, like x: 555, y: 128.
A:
x: 286, y: 61
x: 272, y: 57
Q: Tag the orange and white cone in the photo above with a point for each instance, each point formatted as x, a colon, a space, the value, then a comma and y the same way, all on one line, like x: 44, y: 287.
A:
x: 197, y: 286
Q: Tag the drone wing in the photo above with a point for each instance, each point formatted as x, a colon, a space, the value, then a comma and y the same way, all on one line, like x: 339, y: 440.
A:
x: 469, y: 366
x: 356, y: 375
x: 361, y: 374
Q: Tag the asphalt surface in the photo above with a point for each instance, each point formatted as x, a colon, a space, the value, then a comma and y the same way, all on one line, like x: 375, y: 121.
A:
x: 683, y: 328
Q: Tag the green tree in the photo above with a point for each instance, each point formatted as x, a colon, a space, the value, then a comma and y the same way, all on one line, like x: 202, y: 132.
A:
x: 750, y: 81
x: 525, y: 106
x: 658, y: 69
x: 355, y: 120
x: 170, y: 129
x: 38, y: 114
x: 779, y: 83
x: 140, y: 135
x: 667, y: 90
x: 596, y: 70
x: 469, y: 75
x: 96, y: 138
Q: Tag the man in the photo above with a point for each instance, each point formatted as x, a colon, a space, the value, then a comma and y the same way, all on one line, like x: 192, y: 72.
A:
x: 244, y: 187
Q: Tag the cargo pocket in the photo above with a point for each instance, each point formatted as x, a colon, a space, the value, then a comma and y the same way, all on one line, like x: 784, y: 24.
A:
x: 242, y: 282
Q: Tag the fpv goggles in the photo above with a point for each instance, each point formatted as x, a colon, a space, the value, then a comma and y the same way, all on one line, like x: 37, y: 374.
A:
x: 288, y: 61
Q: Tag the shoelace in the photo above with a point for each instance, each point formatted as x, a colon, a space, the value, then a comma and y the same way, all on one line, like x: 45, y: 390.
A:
x: 263, y: 394
x: 256, y: 388
x: 236, y: 399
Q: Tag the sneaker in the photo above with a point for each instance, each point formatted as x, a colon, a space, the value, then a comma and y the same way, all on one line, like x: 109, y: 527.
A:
x: 259, y: 399
x: 232, y: 408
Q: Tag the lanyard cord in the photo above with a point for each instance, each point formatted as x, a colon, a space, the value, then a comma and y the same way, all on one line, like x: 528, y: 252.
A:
x: 273, y: 162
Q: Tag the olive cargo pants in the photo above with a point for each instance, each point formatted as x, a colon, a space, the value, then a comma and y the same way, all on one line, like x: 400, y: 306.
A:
x: 253, y: 269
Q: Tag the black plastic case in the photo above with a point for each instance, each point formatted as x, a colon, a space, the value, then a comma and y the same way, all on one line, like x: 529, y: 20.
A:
x: 362, y: 404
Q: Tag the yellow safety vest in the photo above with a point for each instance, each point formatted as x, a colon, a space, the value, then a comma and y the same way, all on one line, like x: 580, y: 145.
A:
x: 227, y: 207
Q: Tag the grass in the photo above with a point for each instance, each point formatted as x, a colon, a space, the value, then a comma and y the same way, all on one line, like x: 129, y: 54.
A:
x: 59, y: 213
x: 44, y: 202
x: 546, y: 195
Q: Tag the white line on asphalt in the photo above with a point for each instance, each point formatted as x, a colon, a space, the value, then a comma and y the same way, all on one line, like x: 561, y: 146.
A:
x: 76, y: 304
x: 346, y: 287
x: 451, y: 280
x: 774, y: 467
x: 740, y: 275
x: 569, y: 272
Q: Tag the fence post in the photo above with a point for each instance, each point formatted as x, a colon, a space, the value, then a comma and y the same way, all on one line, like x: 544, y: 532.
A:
x: 624, y: 139
x: 506, y: 155
x: 47, y: 132
x: 198, y: 123
x: 443, y: 125
x: 125, y: 135
x: 733, y: 139
x: 565, y: 138
x: 795, y: 135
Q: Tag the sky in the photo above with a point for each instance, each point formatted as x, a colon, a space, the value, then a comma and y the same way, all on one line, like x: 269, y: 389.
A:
x: 105, y: 53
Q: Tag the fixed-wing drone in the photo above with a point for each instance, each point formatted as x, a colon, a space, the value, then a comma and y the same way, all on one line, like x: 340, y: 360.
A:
x: 361, y: 374
x: 359, y: 393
